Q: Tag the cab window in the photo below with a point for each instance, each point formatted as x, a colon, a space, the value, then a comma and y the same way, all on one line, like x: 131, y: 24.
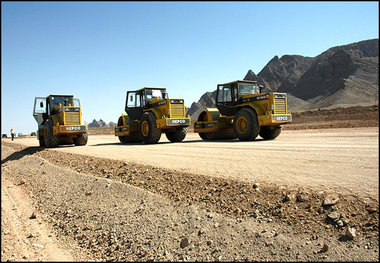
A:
x: 76, y: 103
x: 133, y: 100
x: 153, y: 94
x: 224, y: 94
x: 248, y: 88
x: 64, y: 101
x: 40, y: 106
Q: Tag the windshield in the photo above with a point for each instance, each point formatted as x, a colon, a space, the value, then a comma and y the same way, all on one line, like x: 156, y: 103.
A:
x: 248, y: 88
x: 154, y: 93
x: 64, y: 101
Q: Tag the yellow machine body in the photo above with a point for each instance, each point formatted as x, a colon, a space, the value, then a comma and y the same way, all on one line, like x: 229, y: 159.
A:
x: 59, y: 121
x: 68, y: 121
x: 270, y: 108
x: 270, y: 112
x: 149, y: 113
x: 169, y: 115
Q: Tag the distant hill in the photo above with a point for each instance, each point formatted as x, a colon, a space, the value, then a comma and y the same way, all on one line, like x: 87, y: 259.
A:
x: 111, y: 124
x: 341, y: 76
x: 100, y: 124
x: 207, y: 100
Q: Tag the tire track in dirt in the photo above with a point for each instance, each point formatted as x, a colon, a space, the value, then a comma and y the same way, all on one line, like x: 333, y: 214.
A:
x: 25, y: 237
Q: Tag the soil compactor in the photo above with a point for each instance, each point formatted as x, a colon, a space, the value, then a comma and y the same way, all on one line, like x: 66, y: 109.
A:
x: 244, y: 112
x: 149, y: 113
x: 60, y: 121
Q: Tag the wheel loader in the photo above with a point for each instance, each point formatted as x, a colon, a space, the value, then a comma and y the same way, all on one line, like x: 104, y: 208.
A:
x: 243, y: 111
x: 149, y: 113
x: 60, y: 121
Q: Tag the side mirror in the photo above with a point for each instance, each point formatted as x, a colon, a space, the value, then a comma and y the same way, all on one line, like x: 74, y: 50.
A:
x: 165, y: 95
x: 41, y: 104
x: 131, y: 98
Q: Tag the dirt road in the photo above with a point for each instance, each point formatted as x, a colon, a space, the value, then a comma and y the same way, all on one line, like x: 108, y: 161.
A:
x: 335, y: 159
x: 193, y: 201
x: 96, y: 209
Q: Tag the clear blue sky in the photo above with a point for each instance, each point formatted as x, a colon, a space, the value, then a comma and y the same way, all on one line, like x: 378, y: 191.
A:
x: 99, y: 50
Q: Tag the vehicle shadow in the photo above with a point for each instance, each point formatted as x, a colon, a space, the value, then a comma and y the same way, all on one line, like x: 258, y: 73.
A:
x: 142, y: 144
x: 18, y: 155
x: 183, y: 142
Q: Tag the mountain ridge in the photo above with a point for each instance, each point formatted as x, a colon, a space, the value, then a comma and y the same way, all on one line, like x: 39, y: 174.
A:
x: 100, y: 124
x: 344, y: 75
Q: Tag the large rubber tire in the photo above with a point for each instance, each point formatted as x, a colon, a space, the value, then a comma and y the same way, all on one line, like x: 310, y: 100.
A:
x: 50, y: 139
x: 133, y: 137
x: 42, y: 141
x: 148, y: 128
x: 205, y: 135
x: 270, y: 132
x: 66, y: 140
x: 177, y: 136
x: 246, y: 125
x: 222, y: 134
x: 81, y: 139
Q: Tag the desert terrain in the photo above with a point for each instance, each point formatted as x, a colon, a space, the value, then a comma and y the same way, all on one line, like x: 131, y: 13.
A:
x: 309, y: 195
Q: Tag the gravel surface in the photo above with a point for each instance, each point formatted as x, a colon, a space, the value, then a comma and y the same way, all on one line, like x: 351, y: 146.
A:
x: 109, y: 210
x: 322, y: 159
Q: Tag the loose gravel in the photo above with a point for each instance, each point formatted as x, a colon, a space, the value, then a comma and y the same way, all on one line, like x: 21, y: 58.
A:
x: 128, y: 212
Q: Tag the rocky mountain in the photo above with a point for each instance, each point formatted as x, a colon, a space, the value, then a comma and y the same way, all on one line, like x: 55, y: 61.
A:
x: 100, y: 124
x: 207, y: 100
x: 111, y: 124
x: 341, y: 76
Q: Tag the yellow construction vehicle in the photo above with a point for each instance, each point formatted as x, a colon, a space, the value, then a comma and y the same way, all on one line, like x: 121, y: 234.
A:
x: 60, y: 121
x: 243, y: 112
x: 149, y: 113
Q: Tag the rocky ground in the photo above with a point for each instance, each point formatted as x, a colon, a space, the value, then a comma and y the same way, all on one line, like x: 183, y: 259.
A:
x: 59, y: 206
x: 341, y: 117
x: 111, y: 210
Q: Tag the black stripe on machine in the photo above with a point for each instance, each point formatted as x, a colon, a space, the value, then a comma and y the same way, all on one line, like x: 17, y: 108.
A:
x: 261, y: 97
x: 156, y: 104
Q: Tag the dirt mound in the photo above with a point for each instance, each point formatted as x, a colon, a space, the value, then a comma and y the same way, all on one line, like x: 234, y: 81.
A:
x: 339, y: 117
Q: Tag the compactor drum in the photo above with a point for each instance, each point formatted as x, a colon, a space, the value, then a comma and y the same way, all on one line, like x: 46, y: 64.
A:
x: 244, y: 112
x: 60, y: 121
x: 149, y: 113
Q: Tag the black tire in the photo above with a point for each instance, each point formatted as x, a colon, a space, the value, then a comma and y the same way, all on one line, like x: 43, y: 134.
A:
x: 133, y: 137
x: 246, y: 125
x: 270, y: 132
x: 122, y: 139
x: 148, y: 128
x: 65, y: 140
x: 220, y: 135
x: 81, y: 139
x: 205, y: 136
x: 177, y: 136
x: 50, y: 139
x: 42, y: 141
